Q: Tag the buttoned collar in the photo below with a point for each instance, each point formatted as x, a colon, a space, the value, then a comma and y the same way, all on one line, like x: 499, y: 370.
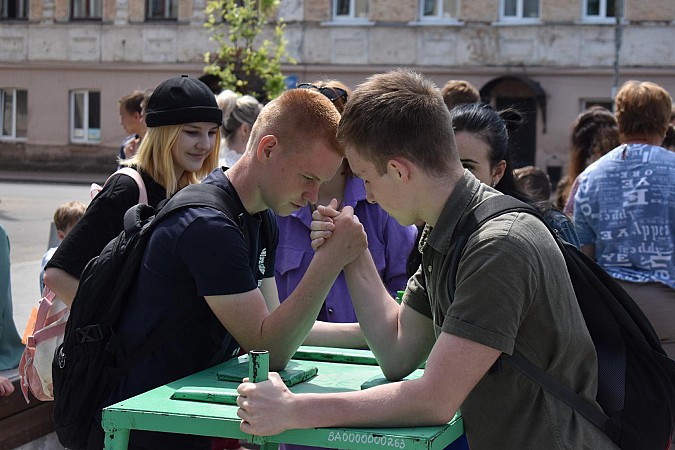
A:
x: 465, y: 195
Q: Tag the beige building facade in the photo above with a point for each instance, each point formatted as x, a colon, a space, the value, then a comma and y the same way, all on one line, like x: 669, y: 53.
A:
x: 65, y: 63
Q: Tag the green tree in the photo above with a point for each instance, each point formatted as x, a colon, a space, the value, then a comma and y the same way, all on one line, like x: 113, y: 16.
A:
x: 247, y: 62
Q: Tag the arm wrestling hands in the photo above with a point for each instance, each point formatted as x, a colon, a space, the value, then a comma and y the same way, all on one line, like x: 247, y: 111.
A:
x: 266, y: 402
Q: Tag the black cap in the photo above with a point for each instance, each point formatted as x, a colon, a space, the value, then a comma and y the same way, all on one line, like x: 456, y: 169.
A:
x: 182, y: 100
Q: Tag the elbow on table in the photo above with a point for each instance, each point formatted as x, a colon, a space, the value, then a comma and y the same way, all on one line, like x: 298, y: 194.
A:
x: 277, y: 365
x: 394, y: 372
x: 441, y: 416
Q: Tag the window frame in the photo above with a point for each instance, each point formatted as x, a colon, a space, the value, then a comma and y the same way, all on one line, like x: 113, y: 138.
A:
x: 602, y: 17
x: 606, y: 102
x: 12, y: 136
x: 518, y: 18
x: 350, y: 18
x: 90, y: 7
x: 89, y: 135
x: 439, y: 13
x: 170, y: 11
x: 22, y: 9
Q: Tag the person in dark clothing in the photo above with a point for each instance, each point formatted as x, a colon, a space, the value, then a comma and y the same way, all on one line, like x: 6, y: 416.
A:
x: 180, y: 148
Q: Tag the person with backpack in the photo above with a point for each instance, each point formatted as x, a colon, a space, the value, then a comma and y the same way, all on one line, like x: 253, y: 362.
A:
x: 624, y: 206
x: 180, y: 148
x: 482, y: 136
x: 212, y: 273
x: 512, y: 294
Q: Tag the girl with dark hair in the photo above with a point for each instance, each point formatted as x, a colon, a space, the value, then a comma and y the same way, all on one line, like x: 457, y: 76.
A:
x: 594, y: 133
x: 482, y: 137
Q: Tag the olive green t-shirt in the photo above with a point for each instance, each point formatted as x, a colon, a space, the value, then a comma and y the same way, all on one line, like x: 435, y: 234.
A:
x: 512, y: 292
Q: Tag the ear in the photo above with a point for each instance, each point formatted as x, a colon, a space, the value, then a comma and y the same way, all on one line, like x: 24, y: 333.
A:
x: 498, y: 171
x: 266, y: 146
x: 399, y: 167
x: 61, y: 234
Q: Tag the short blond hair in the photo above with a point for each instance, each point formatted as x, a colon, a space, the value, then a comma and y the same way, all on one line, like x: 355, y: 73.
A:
x: 297, y: 110
x: 68, y: 214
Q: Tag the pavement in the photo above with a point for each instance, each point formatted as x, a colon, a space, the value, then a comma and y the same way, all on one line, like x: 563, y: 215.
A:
x: 52, y: 177
x: 25, y: 262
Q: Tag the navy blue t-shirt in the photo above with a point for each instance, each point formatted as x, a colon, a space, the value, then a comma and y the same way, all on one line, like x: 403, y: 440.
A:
x: 193, y: 253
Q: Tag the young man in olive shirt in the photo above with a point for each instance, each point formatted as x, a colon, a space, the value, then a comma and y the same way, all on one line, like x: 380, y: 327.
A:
x: 513, y: 293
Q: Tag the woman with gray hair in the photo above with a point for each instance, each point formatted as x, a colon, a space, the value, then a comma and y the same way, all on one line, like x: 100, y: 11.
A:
x: 239, y: 114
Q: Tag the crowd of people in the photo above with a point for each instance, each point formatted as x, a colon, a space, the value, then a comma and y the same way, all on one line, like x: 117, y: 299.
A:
x: 363, y: 190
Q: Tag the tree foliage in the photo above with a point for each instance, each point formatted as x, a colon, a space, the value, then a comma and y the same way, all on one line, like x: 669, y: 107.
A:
x: 247, y: 62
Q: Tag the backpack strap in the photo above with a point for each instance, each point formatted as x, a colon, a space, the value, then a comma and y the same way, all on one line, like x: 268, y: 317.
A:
x: 131, y: 172
x: 194, y: 195
x: 136, y: 176
x: 555, y: 387
x: 200, y: 195
x: 487, y: 210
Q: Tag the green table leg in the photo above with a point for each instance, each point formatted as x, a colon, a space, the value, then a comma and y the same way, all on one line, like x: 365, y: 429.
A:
x: 116, y: 439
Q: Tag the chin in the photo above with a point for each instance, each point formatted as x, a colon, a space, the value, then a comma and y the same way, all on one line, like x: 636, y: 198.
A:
x: 405, y: 221
x: 284, y: 211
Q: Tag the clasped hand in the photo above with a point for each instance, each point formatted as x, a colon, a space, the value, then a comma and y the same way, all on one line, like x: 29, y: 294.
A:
x: 265, y: 408
x: 339, y: 231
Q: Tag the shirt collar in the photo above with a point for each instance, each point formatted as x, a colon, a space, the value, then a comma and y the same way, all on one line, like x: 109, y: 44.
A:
x: 467, y: 193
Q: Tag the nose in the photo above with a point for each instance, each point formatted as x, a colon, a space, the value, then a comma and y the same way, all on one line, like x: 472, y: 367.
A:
x: 312, y: 194
x: 206, y: 141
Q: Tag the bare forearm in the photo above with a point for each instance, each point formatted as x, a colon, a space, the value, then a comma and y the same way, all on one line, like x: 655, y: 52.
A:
x: 401, y: 404
x: 344, y: 335
x: 454, y: 368
x: 62, y: 284
x: 286, y: 329
x: 377, y: 311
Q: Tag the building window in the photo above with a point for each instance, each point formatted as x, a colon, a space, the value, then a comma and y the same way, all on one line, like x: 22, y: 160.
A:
x: 431, y: 10
x: 587, y: 103
x: 14, y: 9
x: 85, y: 9
x: 599, y: 9
x: 85, y: 116
x: 162, y: 10
x: 14, y: 113
x: 350, y: 10
x: 520, y: 10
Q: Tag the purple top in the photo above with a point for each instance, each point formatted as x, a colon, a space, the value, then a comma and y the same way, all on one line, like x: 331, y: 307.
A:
x: 389, y: 244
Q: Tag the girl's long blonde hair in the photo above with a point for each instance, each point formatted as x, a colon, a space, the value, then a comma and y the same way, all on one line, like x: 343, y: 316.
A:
x: 154, y: 157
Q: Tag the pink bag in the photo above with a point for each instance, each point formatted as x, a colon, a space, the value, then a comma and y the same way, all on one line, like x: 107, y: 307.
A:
x: 42, y: 340
x: 45, y: 334
x: 142, y: 196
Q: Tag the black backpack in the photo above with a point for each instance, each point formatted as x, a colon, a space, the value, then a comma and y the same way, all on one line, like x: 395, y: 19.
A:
x: 89, y: 363
x: 636, y: 380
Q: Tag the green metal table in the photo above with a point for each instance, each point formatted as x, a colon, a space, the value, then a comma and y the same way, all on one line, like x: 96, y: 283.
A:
x: 203, y: 404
